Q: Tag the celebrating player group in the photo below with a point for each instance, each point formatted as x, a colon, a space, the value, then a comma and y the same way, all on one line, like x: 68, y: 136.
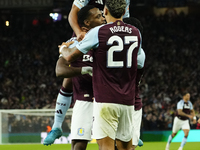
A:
x: 102, y: 64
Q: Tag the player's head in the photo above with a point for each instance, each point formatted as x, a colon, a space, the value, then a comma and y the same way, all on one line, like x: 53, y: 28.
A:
x: 116, y: 8
x: 90, y: 17
x: 134, y: 22
x: 186, y: 96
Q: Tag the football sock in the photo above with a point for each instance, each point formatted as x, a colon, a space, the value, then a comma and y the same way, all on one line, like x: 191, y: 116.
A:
x: 62, y: 105
x: 169, y: 139
x: 183, y: 141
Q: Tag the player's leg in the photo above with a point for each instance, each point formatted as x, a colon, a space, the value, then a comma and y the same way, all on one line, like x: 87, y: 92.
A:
x: 125, y: 128
x: 106, y: 143
x: 63, y: 103
x: 186, y: 129
x: 137, y: 118
x: 81, y: 125
x: 124, y: 145
x: 176, y: 127
x: 79, y: 144
x: 105, y: 124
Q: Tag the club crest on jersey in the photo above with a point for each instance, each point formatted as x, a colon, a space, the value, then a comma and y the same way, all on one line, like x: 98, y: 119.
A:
x: 80, y: 131
x: 118, y: 23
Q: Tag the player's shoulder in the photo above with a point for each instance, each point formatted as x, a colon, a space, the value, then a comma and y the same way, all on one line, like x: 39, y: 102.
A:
x: 181, y: 102
x: 95, y: 29
x: 190, y: 102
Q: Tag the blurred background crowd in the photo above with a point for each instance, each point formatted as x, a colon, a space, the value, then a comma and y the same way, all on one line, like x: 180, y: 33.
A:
x: 28, y: 55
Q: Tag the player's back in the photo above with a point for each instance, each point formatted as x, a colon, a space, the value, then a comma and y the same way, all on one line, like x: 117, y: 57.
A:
x: 115, y: 63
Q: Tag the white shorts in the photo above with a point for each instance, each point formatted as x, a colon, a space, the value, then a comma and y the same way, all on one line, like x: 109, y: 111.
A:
x: 82, y: 118
x: 137, y: 118
x: 112, y: 120
x: 180, y: 124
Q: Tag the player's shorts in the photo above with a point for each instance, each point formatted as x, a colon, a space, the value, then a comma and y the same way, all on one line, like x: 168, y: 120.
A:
x: 137, y: 118
x: 82, y: 119
x: 113, y: 120
x: 180, y: 124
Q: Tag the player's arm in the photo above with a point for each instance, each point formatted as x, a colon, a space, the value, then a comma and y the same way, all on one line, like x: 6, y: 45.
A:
x: 71, y: 54
x: 64, y: 70
x: 141, y: 59
x: 192, y: 112
x: 89, y: 42
x: 180, y: 112
x: 73, y: 21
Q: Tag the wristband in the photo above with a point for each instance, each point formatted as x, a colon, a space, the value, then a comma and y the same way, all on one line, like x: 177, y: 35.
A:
x: 195, y: 118
x: 61, y: 48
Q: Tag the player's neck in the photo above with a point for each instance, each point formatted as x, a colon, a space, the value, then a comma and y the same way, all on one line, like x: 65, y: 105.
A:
x: 85, y: 29
x: 112, y: 19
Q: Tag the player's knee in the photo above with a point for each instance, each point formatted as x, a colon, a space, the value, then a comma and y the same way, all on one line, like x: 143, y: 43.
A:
x: 186, y: 134
x: 173, y: 134
x: 79, y: 144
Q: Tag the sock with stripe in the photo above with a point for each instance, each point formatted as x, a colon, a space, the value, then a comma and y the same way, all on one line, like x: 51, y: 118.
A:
x: 62, y: 105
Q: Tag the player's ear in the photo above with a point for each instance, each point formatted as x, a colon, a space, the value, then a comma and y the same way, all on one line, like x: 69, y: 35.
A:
x: 105, y: 11
x: 87, y: 23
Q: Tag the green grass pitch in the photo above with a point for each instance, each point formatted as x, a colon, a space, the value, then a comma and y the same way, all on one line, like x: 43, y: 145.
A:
x: 147, y: 146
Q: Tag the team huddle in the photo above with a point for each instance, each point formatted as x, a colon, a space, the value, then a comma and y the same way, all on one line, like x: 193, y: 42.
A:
x: 102, y: 65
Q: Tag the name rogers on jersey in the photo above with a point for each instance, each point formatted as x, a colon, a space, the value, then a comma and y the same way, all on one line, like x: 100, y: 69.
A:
x: 120, y: 29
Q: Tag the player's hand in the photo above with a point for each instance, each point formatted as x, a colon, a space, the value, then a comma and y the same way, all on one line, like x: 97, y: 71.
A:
x: 64, y: 44
x: 194, y: 121
x: 199, y: 121
x: 86, y: 70
x: 80, y: 36
x: 190, y: 116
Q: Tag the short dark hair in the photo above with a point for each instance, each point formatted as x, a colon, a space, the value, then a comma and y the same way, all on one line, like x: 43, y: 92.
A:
x: 134, y: 22
x: 83, y: 14
x: 185, y: 92
x: 116, y: 7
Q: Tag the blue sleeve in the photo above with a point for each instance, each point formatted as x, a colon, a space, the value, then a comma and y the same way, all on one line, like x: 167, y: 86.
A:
x: 180, y: 105
x: 191, y: 106
x: 72, y: 45
x: 80, y: 3
x: 90, y: 41
x: 127, y: 13
x: 141, y: 59
x: 140, y: 46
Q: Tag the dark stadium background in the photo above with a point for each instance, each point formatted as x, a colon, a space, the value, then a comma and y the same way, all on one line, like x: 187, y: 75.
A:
x: 28, y: 53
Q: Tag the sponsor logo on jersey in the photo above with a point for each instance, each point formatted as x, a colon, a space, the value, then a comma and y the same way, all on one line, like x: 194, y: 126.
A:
x: 80, y: 131
x: 87, y: 58
x: 186, y: 106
